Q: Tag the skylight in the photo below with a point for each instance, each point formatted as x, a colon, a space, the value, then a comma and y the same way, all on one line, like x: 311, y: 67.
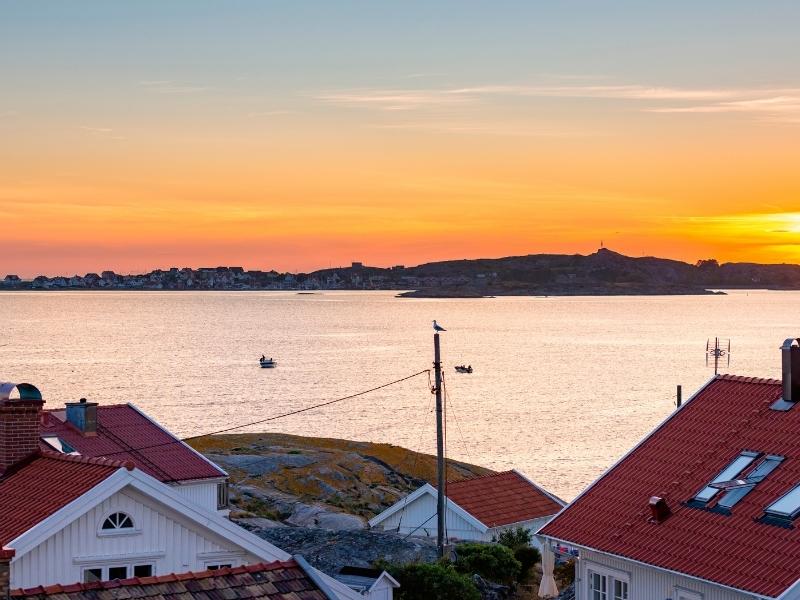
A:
x: 787, y: 506
x: 739, y: 488
x: 59, y: 445
x: 739, y: 464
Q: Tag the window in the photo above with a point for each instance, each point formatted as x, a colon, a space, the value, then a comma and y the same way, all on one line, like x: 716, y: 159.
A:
x: 786, y: 507
x: 739, y: 464
x: 682, y: 594
x: 59, y: 445
x: 597, y: 586
x: 117, y: 521
x: 142, y: 570
x: 90, y: 575
x: 741, y: 487
x: 117, y: 573
x: 608, y: 584
x: 222, y: 495
x: 217, y: 567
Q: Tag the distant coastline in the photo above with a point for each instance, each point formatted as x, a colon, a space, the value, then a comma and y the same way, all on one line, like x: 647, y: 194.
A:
x: 603, y: 273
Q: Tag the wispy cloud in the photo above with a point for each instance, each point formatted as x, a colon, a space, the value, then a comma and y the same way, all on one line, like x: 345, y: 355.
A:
x: 394, y: 99
x: 498, y: 129
x: 102, y: 132
x: 160, y: 86
x: 269, y: 113
x: 776, y: 104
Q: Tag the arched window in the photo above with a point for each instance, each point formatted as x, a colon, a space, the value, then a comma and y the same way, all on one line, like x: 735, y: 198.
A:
x: 117, y: 521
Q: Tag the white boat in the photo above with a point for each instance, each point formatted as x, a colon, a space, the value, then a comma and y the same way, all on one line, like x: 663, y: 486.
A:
x: 267, y: 363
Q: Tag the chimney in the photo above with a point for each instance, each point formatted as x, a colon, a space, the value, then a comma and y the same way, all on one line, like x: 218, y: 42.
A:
x: 83, y: 415
x: 659, y: 510
x: 5, y: 572
x: 790, y: 374
x: 20, y: 405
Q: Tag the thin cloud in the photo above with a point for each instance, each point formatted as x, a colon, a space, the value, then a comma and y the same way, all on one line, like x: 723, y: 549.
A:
x: 102, y: 132
x: 393, y: 100
x: 269, y: 113
x: 779, y: 109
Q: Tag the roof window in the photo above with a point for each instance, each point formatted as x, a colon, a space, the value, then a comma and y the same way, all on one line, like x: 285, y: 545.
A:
x: 787, y: 507
x: 739, y: 488
x: 59, y: 445
x: 729, y: 473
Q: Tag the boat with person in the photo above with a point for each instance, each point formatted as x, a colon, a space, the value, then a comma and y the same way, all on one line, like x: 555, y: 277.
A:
x: 463, y: 368
x: 267, y: 363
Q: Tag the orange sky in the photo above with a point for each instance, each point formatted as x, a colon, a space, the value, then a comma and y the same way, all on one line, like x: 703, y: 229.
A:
x: 133, y: 162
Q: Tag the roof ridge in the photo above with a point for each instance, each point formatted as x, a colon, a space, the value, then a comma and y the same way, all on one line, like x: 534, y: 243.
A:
x: 87, y: 460
x: 746, y: 379
x: 155, y: 579
x: 487, y: 476
x: 99, y: 407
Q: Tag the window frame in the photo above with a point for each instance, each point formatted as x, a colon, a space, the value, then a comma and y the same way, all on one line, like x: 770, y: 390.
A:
x: 682, y: 593
x: 223, y: 495
x: 132, y: 530
x: 783, y: 516
x: 611, y: 577
x: 707, y: 493
x: 129, y: 567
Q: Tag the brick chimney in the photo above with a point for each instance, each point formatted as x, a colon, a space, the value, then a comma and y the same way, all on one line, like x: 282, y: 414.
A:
x: 20, y: 405
x: 5, y: 572
x: 83, y: 415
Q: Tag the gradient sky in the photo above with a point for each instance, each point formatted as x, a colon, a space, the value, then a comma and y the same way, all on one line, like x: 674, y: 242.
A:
x: 295, y: 135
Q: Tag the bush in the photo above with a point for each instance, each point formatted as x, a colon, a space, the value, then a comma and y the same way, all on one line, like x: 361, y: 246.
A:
x: 491, y: 561
x: 527, y: 557
x: 437, y: 581
x: 515, y: 538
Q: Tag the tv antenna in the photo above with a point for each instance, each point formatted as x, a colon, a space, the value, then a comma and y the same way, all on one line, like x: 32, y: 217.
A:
x: 721, y: 350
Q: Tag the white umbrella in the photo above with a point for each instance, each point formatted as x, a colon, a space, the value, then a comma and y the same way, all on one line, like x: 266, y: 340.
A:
x: 547, y: 588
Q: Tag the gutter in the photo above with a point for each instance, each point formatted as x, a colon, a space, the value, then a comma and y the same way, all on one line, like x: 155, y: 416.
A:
x: 313, y: 574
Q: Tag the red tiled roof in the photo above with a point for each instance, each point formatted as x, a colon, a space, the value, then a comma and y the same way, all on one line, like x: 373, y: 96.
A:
x: 263, y: 581
x: 729, y: 415
x: 36, y: 488
x: 123, y: 433
x: 502, y: 499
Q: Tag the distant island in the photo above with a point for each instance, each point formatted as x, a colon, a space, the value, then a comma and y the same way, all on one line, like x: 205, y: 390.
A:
x: 602, y: 273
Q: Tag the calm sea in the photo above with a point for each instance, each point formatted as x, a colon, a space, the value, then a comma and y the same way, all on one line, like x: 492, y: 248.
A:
x: 561, y: 388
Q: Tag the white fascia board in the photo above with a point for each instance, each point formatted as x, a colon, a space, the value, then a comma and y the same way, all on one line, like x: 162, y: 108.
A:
x: 432, y: 491
x: 552, y: 497
x: 159, y: 492
x: 792, y: 593
x: 332, y: 588
x: 627, y: 454
x: 664, y: 570
x: 177, y: 439
x: 384, y: 575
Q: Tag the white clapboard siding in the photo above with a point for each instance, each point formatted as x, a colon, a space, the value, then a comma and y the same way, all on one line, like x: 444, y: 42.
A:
x: 419, y: 517
x: 647, y: 582
x: 161, y: 537
x: 202, y: 493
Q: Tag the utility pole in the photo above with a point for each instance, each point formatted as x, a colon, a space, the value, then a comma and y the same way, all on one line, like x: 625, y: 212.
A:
x: 679, y: 397
x: 437, y: 370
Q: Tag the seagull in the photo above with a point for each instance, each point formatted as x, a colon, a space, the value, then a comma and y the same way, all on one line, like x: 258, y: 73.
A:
x: 437, y: 327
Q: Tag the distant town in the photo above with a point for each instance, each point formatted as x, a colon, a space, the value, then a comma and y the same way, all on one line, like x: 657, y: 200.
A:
x: 601, y: 273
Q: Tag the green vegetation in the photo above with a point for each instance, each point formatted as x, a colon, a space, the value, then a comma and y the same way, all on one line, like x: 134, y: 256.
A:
x: 493, y: 562
x: 437, y: 581
x: 519, y: 541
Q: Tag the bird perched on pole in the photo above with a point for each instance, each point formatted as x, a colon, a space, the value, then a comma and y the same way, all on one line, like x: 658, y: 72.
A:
x: 437, y: 327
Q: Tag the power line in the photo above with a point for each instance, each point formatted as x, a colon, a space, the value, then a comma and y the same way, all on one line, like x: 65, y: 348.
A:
x: 273, y: 418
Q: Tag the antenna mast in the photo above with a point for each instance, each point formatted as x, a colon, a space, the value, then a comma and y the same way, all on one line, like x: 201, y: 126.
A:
x: 720, y: 350
x: 437, y: 370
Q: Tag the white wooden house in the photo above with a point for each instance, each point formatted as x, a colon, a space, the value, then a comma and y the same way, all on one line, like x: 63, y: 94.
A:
x: 68, y: 519
x: 706, y: 507
x: 477, y: 509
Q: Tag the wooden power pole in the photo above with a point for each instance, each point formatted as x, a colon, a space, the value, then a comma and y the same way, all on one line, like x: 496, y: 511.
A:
x: 437, y: 370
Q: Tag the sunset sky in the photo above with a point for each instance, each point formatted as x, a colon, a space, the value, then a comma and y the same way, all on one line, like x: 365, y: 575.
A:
x: 297, y: 135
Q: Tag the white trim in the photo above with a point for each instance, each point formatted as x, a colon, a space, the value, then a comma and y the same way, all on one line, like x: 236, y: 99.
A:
x: 687, y: 593
x: 552, y: 497
x: 384, y: 575
x: 664, y: 569
x: 177, y: 439
x: 157, y: 491
x: 431, y: 491
x: 104, y: 559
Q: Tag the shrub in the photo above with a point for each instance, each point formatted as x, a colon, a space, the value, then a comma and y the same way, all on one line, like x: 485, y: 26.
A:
x: 491, y: 561
x: 527, y: 557
x: 437, y: 581
x: 515, y: 538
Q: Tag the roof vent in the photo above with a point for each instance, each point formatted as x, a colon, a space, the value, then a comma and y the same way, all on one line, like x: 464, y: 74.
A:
x: 790, y: 374
x: 659, y: 510
x: 83, y: 415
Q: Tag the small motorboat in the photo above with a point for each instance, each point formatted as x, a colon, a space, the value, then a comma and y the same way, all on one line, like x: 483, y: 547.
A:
x: 267, y: 363
x: 464, y: 369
